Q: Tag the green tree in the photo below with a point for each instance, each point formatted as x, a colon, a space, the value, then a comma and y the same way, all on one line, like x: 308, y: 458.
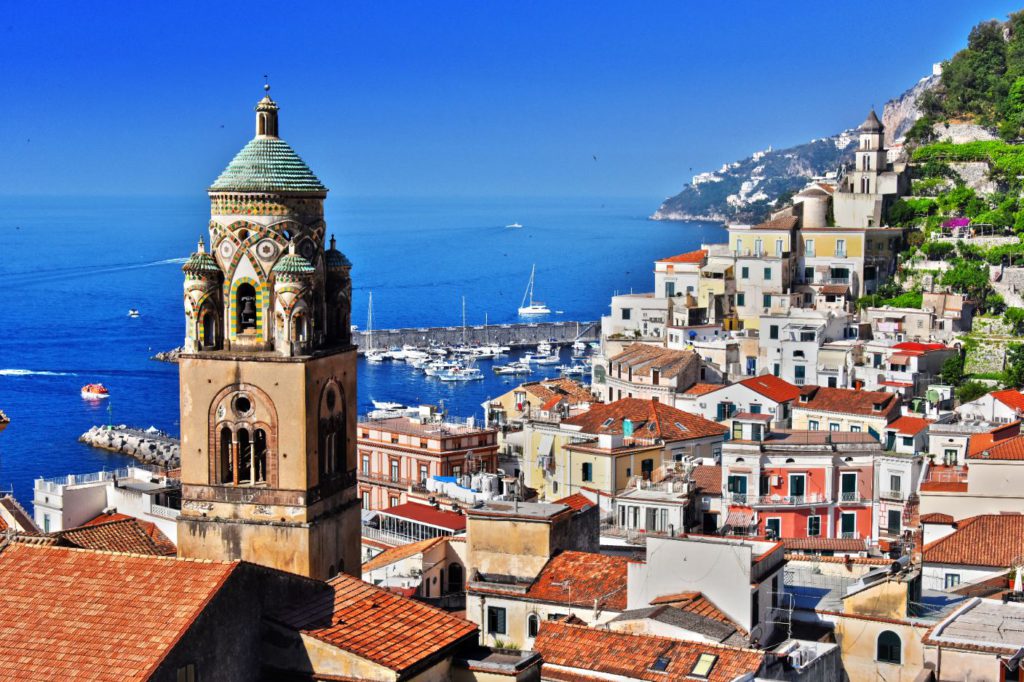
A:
x: 1015, y: 318
x: 952, y: 372
x: 971, y: 390
x: 967, y: 277
x: 1013, y: 373
x: 937, y: 250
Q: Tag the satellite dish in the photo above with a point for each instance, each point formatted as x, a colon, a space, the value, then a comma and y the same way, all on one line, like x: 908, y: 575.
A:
x: 932, y: 395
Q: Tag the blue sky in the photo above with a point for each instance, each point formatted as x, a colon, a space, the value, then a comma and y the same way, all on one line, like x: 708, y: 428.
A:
x: 452, y: 98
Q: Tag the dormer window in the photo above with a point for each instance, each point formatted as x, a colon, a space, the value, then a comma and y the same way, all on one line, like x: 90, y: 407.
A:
x: 877, y: 407
x: 804, y: 398
x: 704, y: 665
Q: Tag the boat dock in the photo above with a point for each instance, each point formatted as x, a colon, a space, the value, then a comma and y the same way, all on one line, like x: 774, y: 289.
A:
x: 518, y: 335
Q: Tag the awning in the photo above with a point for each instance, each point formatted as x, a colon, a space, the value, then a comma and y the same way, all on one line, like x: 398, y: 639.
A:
x: 901, y: 360
x: 516, y: 438
x: 544, y: 449
x: 740, y: 519
x: 718, y: 268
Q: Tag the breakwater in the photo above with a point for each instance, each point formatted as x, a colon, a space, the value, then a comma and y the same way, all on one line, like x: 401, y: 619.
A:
x: 518, y: 335
x: 149, y: 446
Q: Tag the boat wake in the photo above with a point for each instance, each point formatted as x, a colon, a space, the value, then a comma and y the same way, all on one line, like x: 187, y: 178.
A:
x: 32, y: 372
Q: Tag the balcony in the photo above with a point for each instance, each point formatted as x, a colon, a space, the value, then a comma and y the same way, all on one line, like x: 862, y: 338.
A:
x: 853, y: 498
x: 849, y: 535
x: 776, y: 500
x: 894, y: 495
x: 386, y: 479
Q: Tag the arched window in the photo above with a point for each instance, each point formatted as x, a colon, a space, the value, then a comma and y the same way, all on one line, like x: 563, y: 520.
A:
x: 260, y: 456
x: 245, y: 307
x: 225, y: 468
x: 455, y: 578
x: 244, y: 456
x: 890, y: 648
x: 532, y: 625
x: 209, y: 329
x: 299, y: 328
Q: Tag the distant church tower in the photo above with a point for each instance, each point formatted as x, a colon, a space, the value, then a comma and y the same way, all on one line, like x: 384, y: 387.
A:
x: 268, y: 376
x: 870, y: 157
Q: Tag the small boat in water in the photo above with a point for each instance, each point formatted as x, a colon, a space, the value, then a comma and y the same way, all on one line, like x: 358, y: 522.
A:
x: 572, y: 370
x: 533, y: 307
x: 461, y: 374
x: 133, y: 312
x: 514, y: 226
x: 95, y: 391
x: 384, y: 405
x: 4, y: 420
x: 513, y: 368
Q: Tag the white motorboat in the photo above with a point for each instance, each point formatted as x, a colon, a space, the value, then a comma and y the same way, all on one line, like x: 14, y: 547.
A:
x: 133, y: 312
x: 572, y: 370
x: 461, y: 374
x: 544, y: 348
x: 514, y: 226
x: 548, y: 360
x: 513, y: 368
x: 385, y: 405
x: 533, y: 307
x: 375, y: 356
x: 436, y: 367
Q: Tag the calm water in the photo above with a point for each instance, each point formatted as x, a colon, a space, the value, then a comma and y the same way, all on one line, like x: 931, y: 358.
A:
x: 73, y: 267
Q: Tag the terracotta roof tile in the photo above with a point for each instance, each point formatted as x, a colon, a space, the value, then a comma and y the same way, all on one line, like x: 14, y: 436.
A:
x: 909, y: 426
x: 772, y: 387
x: 578, y: 501
x: 835, y: 289
x: 861, y: 560
x: 642, y: 358
x: 426, y: 514
x: 120, y: 535
x: 787, y: 222
x: 632, y: 656
x: 575, y: 393
x: 75, y: 614
x: 650, y: 420
x: 937, y: 517
x: 824, y: 544
x: 578, y: 578
x: 380, y: 626
x: 390, y: 556
x: 1010, y: 397
x: 698, y: 604
x: 847, y: 401
x: 690, y: 257
x: 980, y: 442
x: 708, y: 479
x: 701, y: 389
x: 943, y: 487
x: 989, y: 540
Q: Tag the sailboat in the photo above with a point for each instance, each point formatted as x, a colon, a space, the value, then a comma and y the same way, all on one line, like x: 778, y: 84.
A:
x: 534, y: 307
x: 372, y: 355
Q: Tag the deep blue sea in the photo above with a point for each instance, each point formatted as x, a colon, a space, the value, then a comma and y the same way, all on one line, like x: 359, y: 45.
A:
x: 72, y: 267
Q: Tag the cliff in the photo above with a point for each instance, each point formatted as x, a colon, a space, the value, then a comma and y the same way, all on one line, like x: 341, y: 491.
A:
x: 746, y: 190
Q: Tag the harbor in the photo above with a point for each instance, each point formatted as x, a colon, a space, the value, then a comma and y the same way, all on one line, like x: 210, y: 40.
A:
x: 516, y: 336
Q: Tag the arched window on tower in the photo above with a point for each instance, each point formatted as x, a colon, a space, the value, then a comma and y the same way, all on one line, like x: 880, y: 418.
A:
x: 225, y: 468
x: 244, y: 456
x: 260, y: 456
x: 209, y: 330
x: 245, y: 308
x: 300, y: 329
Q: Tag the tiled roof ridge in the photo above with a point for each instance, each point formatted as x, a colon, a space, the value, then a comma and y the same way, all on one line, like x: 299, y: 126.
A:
x: 662, y: 638
x: 21, y: 538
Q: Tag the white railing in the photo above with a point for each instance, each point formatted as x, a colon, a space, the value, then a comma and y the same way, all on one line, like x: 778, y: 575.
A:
x: 850, y: 497
x: 164, y: 512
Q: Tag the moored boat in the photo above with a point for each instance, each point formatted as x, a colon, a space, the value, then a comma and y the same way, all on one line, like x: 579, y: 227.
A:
x: 95, y: 391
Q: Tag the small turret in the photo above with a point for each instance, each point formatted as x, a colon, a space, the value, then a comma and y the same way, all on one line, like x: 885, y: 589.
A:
x: 203, y: 323
x: 266, y: 115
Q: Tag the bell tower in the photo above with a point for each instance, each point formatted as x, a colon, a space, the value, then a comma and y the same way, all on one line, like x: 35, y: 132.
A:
x: 268, y: 373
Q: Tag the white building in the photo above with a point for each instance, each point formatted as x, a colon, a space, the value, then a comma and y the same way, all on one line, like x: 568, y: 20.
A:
x: 72, y: 500
x: 1000, y: 407
x: 790, y: 344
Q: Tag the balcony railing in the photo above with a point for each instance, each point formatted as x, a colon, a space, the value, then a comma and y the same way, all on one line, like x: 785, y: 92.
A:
x: 893, y: 495
x: 849, y: 535
x: 854, y: 497
x: 387, y: 479
x: 776, y: 500
x: 164, y: 512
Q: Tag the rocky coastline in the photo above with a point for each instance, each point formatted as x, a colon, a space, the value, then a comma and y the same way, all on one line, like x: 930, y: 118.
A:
x: 149, y: 446
x: 171, y: 355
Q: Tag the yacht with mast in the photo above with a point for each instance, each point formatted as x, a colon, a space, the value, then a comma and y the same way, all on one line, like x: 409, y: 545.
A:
x: 371, y: 354
x: 534, y: 307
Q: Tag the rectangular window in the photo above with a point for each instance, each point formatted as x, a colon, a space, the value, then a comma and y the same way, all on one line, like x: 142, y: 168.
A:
x: 773, y: 331
x: 737, y: 431
x: 588, y: 471
x: 424, y: 472
x: 848, y: 524
x: 812, y: 425
x: 895, y: 521
x: 833, y: 426
x: 767, y: 301
x: 776, y: 369
x: 773, y: 528
x: 394, y: 501
x: 626, y: 313
x: 741, y: 299
x: 670, y: 289
x: 809, y: 248
x: 737, y: 485
x: 854, y: 428
x: 797, y: 485
x: 744, y: 272
x: 808, y: 275
x: 813, y: 526
x: 755, y: 608
x: 895, y: 483
x: 778, y: 248
x: 908, y: 441
x: 46, y: 523
x: 366, y: 464
x: 496, y: 624
x: 952, y: 580
x: 767, y: 274
x: 848, y: 486
x: 366, y: 499
x: 187, y: 673
x: 739, y: 246
x: 394, y: 471
x: 758, y: 247
x: 841, y: 248
x: 799, y: 375
x: 755, y: 408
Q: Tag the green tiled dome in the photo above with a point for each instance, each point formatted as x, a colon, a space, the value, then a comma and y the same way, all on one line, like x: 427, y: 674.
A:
x: 294, y: 264
x: 267, y: 164
x: 336, y: 260
x: 201, y: 262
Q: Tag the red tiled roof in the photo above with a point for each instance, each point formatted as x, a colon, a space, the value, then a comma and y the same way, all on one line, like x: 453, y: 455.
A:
x: 632, y: 656
x: 909, y: 426
x: 650, y: 419
x: 824, y: 544
x: 377, y: 625
x: 944, y: 486
x: 787, y: 222
x: 426, y: 514
x: 915, y: 348
x: 3, y: 524
x: 390, y: 556
x: 835, y: 289
x: 642, y: 358
x: 937, y: 517
x: 577, y: 501
x: 701, y: 389
x: 563, y: 387
x: 708, y: 479
x: 980, y: 442
x: 698, y: 604
x: 578, y: 578
x: 772, y: 387
x: 689, y: 257
x: 1010, y: 397
x: 79, y: 614
x: 552, y: 403
x: 995, y: 540
x: 121, y: 535
x: 862, y: 560
x: 751, y: 416
x: 847, y: 401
